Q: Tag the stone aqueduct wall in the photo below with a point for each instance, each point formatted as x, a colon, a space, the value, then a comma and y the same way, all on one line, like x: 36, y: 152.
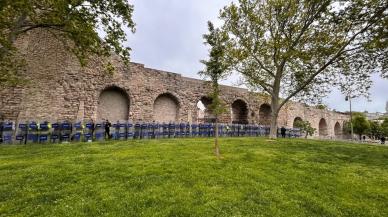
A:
x: 60, y: 89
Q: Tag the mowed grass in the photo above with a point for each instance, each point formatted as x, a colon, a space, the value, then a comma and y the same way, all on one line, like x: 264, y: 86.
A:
x: 181, y: 177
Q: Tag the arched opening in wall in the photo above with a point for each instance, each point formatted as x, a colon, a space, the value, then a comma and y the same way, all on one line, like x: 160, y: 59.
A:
x: 239, y: 112
x: 265, y: 114
x: 323, y: 127
x: 338, y: 130
x: 297, y: 122
x: 113, y: 104
x: 204, y: 113
x: 166, y: 108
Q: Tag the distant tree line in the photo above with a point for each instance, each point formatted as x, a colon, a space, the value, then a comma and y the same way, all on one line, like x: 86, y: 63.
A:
x: 374, y: 129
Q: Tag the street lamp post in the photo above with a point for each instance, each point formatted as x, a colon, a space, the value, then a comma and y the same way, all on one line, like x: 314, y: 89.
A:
x: 351, y: 117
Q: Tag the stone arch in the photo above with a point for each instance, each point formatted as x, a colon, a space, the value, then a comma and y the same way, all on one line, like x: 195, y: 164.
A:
x: 113, y: 104
x: 265, y: 113
x: 240, y: 112
x: 296, y: 120
x: 166, y: 108
x: 337, y: 130
x: 204, y: 113
x: 323, y: 127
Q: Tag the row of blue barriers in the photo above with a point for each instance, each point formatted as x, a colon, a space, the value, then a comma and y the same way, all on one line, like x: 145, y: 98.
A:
x: 45, y: 132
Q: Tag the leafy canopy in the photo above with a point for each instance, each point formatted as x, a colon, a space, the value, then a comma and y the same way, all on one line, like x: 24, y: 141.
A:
x: 217, y: 66
x: 360, y: 124
x: 375, y: 130
x: 299, y: 49
x: 76, y: 23
x: 384, y: 127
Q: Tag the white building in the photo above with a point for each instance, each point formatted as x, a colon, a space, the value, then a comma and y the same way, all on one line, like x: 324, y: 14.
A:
x: 377, y: 115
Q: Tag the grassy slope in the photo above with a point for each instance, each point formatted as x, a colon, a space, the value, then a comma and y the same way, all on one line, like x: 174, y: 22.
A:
x: 182, y: 178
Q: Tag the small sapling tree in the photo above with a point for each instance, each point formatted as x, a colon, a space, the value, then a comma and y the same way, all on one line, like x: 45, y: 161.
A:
x: 216, y: 69
x: 305, y: 128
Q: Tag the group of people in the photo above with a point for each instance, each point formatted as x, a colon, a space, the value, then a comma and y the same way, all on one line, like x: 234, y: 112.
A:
x: 382, y: 139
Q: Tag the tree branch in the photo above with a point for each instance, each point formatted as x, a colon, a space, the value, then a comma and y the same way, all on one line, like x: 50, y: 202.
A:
x: 253, y: 55
x: 262, y: 83
x: 328, y: 63
x: 305, y: 27
x: 40, y: 25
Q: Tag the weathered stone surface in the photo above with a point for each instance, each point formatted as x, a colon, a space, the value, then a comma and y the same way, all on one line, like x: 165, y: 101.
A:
x: 113, y: 104
x: 60, y: 89
x: 166, y: 108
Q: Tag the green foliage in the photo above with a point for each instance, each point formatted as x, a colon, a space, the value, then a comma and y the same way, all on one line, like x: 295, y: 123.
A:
x: 305, y: 127
x: 301, y: 49
x: 10, y: 69
x: 288, y: 177
x: 217, y: 67
x: 321, y: 106
x: 75, y: 23
x: 378, y: 46
x: 360, y: 124
x: 384, y: 127
x: 375, y: 130
x: 347, y: 127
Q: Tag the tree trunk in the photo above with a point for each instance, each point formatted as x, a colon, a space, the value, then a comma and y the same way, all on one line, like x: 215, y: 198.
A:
x: 274, y: 117
x: 216, y: 145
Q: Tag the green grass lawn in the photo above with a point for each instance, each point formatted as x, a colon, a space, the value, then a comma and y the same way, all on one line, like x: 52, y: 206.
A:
x: 256, y: 177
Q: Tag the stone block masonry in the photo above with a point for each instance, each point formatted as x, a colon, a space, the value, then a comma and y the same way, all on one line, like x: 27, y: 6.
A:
x: 60, y: 89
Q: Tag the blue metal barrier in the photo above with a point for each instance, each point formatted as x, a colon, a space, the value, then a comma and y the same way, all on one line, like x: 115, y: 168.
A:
x: 66, y: 129
x: 44, y: 132
x: 130, y: 131
x: 99, y: 132
x: 56, y: 134
x: 7, y: 132
x: 21, y: 133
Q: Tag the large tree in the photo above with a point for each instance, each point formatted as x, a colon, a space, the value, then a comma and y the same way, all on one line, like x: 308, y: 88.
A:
x: 216, y: 68
x: 361, y: 125
x: 85, y: 27
x: 375, y: 130
x: 299, y: 49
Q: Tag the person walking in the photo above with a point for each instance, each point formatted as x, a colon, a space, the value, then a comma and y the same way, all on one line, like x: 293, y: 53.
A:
x: 1, y: 129
x: 382, y: 140
x: 107, y: 128
x: 283, y: 132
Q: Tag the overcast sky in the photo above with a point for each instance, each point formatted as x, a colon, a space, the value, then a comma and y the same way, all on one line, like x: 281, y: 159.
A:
x: 169, y: 37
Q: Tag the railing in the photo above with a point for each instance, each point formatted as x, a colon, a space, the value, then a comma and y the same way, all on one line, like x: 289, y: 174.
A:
x: 45, y: 132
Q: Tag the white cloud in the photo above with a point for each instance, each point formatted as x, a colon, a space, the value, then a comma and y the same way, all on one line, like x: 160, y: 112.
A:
x: 169, y: 37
